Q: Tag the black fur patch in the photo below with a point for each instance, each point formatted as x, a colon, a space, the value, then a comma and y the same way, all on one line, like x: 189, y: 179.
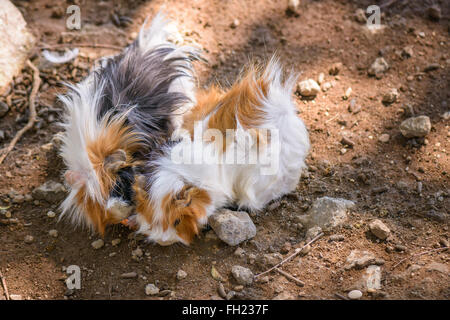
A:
x: 123, y: 186
x: 142, y: 80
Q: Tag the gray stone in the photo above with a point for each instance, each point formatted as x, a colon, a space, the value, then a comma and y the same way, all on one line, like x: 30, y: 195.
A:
x: 415, y: 127
x: 378, y: 67
x: 308, y: 88
x: 50, y: 191
x: 379, y: 229
x: 16, y: 41
x: 359, y: 259
x: 326, y: 213
x: 242, y: 275
x: 232, y: 227
x: 97, y: 244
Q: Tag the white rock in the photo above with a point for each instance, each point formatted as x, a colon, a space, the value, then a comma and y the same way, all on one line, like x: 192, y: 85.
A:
x: 151, y: 289
x: 97, y: 244
x: 359, y: 259
x: 373, y: 278
x: 321, y: 78
x: 51, y: 214
x: 355, y: 294
x: 308, y: 88
x: 181, y: 274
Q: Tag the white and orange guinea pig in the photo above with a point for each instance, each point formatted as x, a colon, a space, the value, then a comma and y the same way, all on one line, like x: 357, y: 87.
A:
x: 140, y: 144
x: 127, y: 106
x: 244, y: 146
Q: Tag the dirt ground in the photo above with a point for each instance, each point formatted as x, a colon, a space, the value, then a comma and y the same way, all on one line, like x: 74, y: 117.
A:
x: 384, y: 179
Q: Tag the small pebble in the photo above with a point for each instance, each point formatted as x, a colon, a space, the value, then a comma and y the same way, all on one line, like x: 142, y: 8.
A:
x: 128, y: 275
x: 53, y: 233
x: 151, y: 289
x: 97, y: 244
x: 355, y: 295
x: 115, y: 242
x: 51, y: 214
x: 29, y: 239
x: 181, y: 274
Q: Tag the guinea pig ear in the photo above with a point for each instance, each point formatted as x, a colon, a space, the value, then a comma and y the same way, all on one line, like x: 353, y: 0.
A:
x: 115, y: 161
x: 75, y: 178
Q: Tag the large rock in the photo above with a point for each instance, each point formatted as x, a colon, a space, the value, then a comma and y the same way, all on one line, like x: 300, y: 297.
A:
x: 50, y: 191
x: 326, y: 213
x: 415, y: 127
x: 232, y: 227
x: 15, y: 43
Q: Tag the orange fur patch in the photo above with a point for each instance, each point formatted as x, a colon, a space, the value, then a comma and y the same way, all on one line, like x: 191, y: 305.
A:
x: 143, y: 204
x: 113, y: 137
x: 183, y: 210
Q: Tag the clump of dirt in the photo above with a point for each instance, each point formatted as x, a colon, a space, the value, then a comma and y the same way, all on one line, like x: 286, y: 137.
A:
x: 358, y: 153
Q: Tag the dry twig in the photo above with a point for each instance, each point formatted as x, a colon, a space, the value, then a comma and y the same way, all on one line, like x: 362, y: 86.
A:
x: 291, y: 277
x: 32, y: 116
x: 297, y: 251
x: 5, y: 288
x: 417, y: 255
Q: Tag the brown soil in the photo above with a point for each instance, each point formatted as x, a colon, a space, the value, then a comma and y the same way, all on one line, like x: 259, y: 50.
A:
x: 381, y: 178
